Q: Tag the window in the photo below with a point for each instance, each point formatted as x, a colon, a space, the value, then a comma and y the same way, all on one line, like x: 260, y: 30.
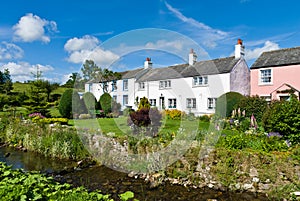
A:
x: 141, y: 85
x: 114, y: 85
x: 266, y: 76
x: 200, y: 81
x: 90, y: 87
x: 165, y: 84
x: 191, y: 102
x: 125, y: 100
x: 125, y: 85
x: 115, y: 98
x: 105, y: 87
x: 211, y: 103
x: 152, y: 102
x: 172, y: 102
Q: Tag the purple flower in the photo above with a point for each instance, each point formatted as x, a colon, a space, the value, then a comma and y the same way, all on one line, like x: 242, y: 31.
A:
x: 274, y: 134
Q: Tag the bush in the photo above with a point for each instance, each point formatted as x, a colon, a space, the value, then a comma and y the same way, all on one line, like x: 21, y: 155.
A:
x: 284, y: 117
x: 144, y: 103
x: 145, y: 121
x: 70, y: 104
x: 204, y: 118
x: 227, y: 102
x: 90, y: 101
x: 174, y: 114
x: 106, y: 103
x: 253, y: 105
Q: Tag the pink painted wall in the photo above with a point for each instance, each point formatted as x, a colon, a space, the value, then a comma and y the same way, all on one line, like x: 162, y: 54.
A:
x: 286, y: 74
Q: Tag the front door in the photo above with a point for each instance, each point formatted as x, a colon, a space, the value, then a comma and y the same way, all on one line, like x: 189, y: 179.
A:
x: 161, y: 103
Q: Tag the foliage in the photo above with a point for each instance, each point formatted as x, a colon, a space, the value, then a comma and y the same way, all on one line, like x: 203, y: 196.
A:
x: 235, y: 140
x: 65, y: 104
x: 205, y: 118
x: 106, y: 103
x: 58, y: 141
x: 20, y: 185
x: 6, y: 84
x: 284, y: 117
x: 72, y: 80
x: 227, y: 102
x: 253, y: 105
x: 174, y: 114
x: 144, y: 103
x: 145, y: 121
x: 90, y: 102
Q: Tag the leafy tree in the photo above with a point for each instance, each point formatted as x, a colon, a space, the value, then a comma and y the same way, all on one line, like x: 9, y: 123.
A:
x: 6, y: 84
x: 75, y: 78
x: 89, y: 70
x: 227, y: 102
x: 284, y: 117
x: 49, y: 88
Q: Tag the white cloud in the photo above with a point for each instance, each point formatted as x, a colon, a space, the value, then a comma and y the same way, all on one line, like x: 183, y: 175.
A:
x: 204, y: 32
x: 22, y: 71
x: 165, y: 44
x: 32, y: 28
x: 256, y: 52
x: 85, y: 43
x: 10, y: 51
x: 81, y: 49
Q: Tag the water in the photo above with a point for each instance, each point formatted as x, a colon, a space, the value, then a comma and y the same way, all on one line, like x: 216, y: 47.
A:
x: 113, y: 182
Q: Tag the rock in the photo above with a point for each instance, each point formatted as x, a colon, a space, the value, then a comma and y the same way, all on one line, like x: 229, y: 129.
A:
x: 253, y: 172
x: 262, y: 186
x: 247, y: 186
x: 210, y: 185
x: 255, y: 179
x: 7, y: 154
x: 237, y: 186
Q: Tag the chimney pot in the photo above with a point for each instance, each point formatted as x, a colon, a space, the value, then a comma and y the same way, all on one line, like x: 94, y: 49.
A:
x: 239, y: 49
x: 192, y: 57
x: 148, y: 63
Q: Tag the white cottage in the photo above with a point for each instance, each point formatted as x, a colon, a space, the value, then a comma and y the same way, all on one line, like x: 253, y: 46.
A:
x: 191, y: 87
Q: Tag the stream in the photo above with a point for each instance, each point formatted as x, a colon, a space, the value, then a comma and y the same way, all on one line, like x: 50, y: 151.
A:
x: 114, y: 182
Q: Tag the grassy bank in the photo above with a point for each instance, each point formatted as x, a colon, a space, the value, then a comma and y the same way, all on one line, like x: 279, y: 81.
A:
x: 19, y: 185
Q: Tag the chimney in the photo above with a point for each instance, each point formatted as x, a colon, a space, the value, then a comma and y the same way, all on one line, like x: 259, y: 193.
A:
x: 148, y: 63
x: 192, y: 57
x: 239, y: 49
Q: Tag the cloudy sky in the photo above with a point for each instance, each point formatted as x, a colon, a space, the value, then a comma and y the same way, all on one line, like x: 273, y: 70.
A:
x: 58, y: 36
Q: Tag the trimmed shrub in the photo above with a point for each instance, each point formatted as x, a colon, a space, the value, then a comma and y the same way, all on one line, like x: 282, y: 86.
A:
x: 70, y: 104
x: 227, y: 102
x: 174, y: 114
x: 106, y: 103
x: 90, y: 102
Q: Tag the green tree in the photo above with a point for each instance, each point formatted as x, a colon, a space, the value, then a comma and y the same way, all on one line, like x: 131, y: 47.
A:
x: 89, y: 70
x: 74, y: 79
x: 6, y: 84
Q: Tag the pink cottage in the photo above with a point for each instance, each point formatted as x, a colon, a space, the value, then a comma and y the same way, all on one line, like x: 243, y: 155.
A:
x: 276, y: 74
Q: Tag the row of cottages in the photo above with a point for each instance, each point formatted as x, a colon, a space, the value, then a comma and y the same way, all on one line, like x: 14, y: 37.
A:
x: 276, y: 74
x: 190, y: 87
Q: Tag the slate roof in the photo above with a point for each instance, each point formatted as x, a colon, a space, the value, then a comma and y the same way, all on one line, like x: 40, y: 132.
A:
x: 209, y: 67
x: 282, y: 57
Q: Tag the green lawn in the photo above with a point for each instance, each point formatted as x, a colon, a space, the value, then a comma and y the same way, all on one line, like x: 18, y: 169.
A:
x: 119, y: 125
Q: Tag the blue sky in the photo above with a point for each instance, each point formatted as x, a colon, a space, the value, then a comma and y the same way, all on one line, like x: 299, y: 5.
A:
x: 57, y: 36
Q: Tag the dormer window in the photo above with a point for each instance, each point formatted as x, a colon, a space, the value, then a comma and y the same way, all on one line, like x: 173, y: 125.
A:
x: 200, y: 81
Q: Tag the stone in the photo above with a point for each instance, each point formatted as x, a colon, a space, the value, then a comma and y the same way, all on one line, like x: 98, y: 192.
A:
x: 237, y: 186
x: 210, y: 185
x: 247, y: 186
x: 262, y: 186
x: 253, y: 172
x: 255, y: 179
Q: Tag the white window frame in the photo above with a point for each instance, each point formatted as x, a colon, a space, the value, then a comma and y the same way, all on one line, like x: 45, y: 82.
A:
x: 165, y: 84
x: 125, y: 100
x: 211, y: 103
x: 152, y: 102
x: 172, y: 103
x: 141, y: 86
x: 191, y: 103
x: 125, y: 85
x: 261, y: 77
x: 115, y: 98
x: 200, y: 81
